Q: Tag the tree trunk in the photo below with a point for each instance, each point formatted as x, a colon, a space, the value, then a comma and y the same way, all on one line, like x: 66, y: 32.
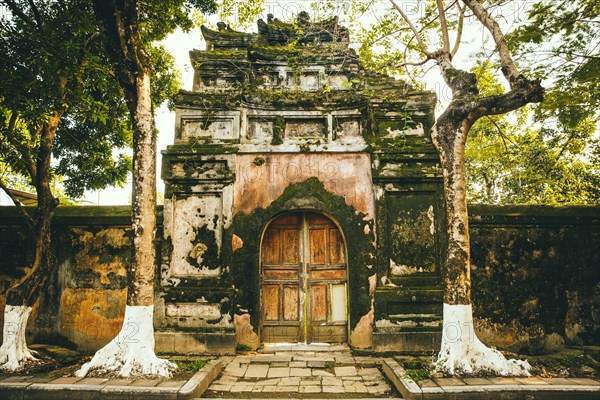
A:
x: 131, y: 352
x: 461, y: 351
x: 22, y: 297
x: 141, y: 275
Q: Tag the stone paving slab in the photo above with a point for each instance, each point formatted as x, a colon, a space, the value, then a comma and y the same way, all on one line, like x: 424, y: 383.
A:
x: 25, y: 387
x: 490, y: 388
x: 306, y: 373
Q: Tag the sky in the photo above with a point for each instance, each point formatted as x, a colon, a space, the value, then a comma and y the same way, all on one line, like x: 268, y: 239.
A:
x: 180, y: 43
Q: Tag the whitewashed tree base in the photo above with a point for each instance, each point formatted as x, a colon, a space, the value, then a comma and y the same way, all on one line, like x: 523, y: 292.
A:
x: 462, y: 353
x: 131, y: 352
x: 14, y: 353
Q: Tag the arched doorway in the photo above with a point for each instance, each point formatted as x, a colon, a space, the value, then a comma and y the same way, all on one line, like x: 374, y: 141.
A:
x: 303, y: 280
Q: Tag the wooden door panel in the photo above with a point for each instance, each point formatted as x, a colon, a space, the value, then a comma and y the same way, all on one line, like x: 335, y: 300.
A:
x: 318, y: 246
x: 291, y: 298
x: 336, y: 247
x: 318, y: 302
x: 329, y: 333
x: 288, y: 219
x: 291, y: 246
x: 271, y: 302
x: 280, y: 274
x: 318, y: 219
x: 328, y: 274
x: 284, y: 333
x: 271, y: 248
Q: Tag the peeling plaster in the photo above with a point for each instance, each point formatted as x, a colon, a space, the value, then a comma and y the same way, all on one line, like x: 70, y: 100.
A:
x: 362, y: 335
x: 403, y: 269
x: 236, y: 243
x: 347, y: 175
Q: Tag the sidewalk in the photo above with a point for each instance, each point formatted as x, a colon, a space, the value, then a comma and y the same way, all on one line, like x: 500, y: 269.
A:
x: 490, y: 388
x: 330, y: 372
x: 295, y: 372
x: 46, y: 387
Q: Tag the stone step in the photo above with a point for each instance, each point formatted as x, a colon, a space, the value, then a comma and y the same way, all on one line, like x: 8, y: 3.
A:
x: 395, y: 294
x: 413, y: 322
x: 431, y: 281
x: 406, y: 342
x: 297, y: 396
x: 415, y: 317
x: 396, y: 308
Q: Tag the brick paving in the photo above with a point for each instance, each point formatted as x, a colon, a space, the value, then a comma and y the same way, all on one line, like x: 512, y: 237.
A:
x: 334, y: 373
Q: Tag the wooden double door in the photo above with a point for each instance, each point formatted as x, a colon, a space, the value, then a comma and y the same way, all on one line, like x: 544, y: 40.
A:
x: 303, y: 280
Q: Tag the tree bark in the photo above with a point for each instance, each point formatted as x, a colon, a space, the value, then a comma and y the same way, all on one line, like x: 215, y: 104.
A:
x: 449, y: 136
x: 119, y: 23
x: 21, y: 298
x: 141, y: 274
x: 131, y: 353
x: 461, y: 351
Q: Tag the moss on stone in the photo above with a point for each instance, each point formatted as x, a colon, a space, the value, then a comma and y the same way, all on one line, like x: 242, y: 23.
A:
x: 278, y: 130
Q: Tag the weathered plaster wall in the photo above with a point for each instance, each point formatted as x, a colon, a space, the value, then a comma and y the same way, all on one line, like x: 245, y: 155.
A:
x: 262, y: 178
x: 536, y: 275
x: 84, y: 302
x: 536, y: 281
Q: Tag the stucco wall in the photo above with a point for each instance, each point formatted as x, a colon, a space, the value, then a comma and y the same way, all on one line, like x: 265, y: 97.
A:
x: 535, y: 274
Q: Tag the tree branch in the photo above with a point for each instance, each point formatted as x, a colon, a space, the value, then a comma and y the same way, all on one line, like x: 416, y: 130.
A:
x: 500, y: 132
x: 28, y: 219
x: 523, y: 92
x: 460, y: 82
x: 12, y: 122
x: 25, y: 154
x: 459, y: 31
x: 412, y: 28
x: 509, y: 69
x: 16, y: 11
x: 443, y: 26
x: 36, y: 13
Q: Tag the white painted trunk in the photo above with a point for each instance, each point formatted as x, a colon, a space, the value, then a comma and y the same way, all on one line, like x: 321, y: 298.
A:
x: 131, y: 352
x: 14, y: 352
x: 463, y: 354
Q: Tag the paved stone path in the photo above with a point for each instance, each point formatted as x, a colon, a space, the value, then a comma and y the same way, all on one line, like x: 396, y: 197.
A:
x: 334, y: 373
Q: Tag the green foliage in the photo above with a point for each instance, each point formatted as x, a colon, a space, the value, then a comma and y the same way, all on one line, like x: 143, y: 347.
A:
x: 239, y: 15
x: 545, y: 153
x: 160, y: 18
x: 561, y: 44
x: 53, y: 61
x: 166, y: 79
x: 417, y: 369
x: 511, y: 161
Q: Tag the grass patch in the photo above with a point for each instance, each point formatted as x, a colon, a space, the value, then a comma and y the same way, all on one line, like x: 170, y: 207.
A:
x: 418, y: 374
x: 417, y: 369
x: 191, y: 365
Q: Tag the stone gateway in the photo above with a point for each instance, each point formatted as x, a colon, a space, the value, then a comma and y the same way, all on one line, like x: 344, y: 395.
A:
x: 303, y: 199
